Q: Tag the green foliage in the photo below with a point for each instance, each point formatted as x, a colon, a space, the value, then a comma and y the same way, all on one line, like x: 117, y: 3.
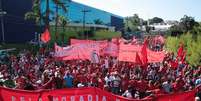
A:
x: 74, y: 33
x: 133, y: 22
x: 104, y: 34
x: 98, y: 21
x: 192, y: 46
x: 36, y: 14
x: 196, y: 29
x: 156, y: 20
x: 63, y: 21
x: 172, y: 44
x: 187, y: 23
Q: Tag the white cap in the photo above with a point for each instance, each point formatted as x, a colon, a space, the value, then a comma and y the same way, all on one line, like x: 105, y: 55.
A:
x: 80, y: 85
x: 39, y: 82
x: 197, y: 98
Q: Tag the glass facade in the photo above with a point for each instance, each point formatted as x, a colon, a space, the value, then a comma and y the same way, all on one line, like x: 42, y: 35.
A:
x: 75, y: 14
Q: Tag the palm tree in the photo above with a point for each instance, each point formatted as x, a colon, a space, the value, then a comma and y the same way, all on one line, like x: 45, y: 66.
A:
x: 63, y: 21
x: 36, y: 14
x: 98, y: 21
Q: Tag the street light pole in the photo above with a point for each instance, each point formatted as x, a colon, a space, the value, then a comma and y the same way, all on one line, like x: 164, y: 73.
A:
x: 84, y: 18
x: 2, y: 13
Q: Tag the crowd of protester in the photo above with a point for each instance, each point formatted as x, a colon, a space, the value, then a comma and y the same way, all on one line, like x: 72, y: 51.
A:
x: 27, y: 71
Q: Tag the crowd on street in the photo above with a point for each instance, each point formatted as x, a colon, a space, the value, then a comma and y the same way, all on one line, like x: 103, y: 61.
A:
x: 28, y: 71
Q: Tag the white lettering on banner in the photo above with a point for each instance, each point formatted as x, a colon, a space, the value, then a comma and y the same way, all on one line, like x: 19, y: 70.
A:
x: 55, y: 99
x: 63, y: 98
x: 72, y: 98
x: 90, y: 98
x: 96, y: 97
x: 104, y: 98
x: 13, y: 98
x: 22, y: 99
x: 81, y: 98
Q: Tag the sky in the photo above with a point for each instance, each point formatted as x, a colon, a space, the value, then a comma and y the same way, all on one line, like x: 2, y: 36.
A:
x: 146, y: 9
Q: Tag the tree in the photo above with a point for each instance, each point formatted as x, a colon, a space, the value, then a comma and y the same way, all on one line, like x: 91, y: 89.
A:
x: 156, y: 20
x: 37, y: 15
x: 133, y: 22
x: 196, y: 30
x: 148, y: 28
x: 98, y: 22
x: 63, y: 21
x: 191, y: 45
x: 176, y: 30
x: 187, y: 23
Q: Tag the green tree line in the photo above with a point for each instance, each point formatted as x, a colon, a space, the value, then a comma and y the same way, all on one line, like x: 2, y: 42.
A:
x: 191, y: 39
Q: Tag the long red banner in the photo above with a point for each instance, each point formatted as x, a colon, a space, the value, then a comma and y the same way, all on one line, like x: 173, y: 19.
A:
x: 128, y: 53
x: 81, y: 49
x: 83, y: 94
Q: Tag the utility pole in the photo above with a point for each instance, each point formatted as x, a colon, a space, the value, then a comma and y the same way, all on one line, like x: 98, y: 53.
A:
x: 84, y: 11
x: 2, y: 13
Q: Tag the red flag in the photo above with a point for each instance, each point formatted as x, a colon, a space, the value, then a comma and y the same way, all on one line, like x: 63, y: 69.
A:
x: 183, y: 57
x: 144, y: 52
x: 137, y: 59
x: 45, y: 37
x: 180, y: 51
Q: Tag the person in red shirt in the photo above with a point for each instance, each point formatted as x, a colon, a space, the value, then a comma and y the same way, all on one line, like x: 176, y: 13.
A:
x: 124, y: 83
x: 20, y: 82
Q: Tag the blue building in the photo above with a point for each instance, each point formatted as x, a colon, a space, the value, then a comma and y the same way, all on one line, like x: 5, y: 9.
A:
x: 18, y: 30
x: 76, y: 16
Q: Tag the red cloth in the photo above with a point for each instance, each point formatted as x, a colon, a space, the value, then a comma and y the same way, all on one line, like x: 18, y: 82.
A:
x: 138, y: 60
x: 84, y: 94
x: 144, y: 53
x: 45, y: 37
x: 174, y: 64
x: 180, y: 50
x: 18, y: 95
x: 125, y: 83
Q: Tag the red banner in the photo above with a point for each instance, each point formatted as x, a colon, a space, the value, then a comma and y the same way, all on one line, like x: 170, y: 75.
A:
x: 155, y: 56
x: 102, y: 43
x: 128, y: 53
x: 77, y: 41
x: 111, y: 49
x: 77, y: 51
x: 83, y: 94
x: 18, y: 95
